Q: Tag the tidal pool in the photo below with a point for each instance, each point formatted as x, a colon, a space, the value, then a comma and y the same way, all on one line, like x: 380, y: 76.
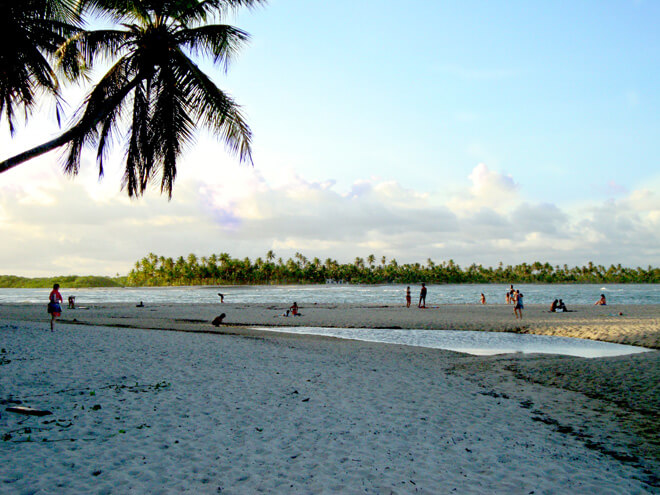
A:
x: 473, y: 342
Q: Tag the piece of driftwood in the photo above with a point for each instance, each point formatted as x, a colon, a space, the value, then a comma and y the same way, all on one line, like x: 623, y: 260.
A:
x: 30, y: 411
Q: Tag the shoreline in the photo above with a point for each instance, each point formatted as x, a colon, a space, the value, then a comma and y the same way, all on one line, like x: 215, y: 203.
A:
x: 639, y: 325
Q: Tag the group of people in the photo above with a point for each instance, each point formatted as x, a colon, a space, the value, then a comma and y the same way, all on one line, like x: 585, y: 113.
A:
x: 293, y: 310
x: 558, y: 306
x: 515, y: 297
x: 422, y: 297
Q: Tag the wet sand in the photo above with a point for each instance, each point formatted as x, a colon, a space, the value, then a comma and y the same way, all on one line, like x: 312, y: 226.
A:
x: 638, y: 325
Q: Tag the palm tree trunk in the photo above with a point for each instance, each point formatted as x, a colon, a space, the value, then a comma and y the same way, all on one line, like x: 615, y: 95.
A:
x: 40, y: 150
x: 87, y: 122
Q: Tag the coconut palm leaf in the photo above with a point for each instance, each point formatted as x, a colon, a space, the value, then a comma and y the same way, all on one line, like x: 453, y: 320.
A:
x: 155, y: 88
x: 222, y: 42
x: 36, y: 29
x: 217, y: 111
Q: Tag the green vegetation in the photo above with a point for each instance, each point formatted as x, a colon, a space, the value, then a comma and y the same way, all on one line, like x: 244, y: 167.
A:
x: 222, y: 269
x: 66, y: 282
x: 154, y: 270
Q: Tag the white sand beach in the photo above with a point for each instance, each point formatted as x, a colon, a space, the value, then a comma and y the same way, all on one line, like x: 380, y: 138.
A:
x: 143, y: 411
x: 637, y: 325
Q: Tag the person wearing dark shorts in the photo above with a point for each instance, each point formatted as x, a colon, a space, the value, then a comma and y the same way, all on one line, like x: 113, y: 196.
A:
x: 519, y: 306
x: 422, y: 296
x: 54, y: 305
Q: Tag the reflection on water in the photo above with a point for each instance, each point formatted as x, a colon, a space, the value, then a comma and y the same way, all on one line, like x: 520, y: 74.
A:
x: 472, y: 342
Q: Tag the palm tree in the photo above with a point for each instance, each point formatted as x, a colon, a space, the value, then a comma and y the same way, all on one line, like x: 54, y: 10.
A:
x: 33, y: 31
x: 155, y: 85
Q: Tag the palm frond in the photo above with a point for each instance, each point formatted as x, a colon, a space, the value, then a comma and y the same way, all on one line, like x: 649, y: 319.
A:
x: 219, y: 41
x: 79, y: 53
x: 214, y: 109
x: 201, y: 10
x: 139, y: 155
x: 116, y: 10
x: 101, y: 105
x: 36, y: 28
x: 171, y: 125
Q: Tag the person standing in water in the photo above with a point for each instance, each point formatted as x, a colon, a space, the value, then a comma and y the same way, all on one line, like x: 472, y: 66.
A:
x: 408, y: 297
x: 54, y: 306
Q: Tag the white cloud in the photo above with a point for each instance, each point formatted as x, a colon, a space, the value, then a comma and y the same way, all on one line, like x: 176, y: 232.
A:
x: 489, y: 189
x: 60, y: 226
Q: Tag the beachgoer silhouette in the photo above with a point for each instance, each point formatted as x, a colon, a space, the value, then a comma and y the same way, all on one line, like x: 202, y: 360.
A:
x: 222, y: 297
x: 54, y: 307
x: 217, y: 321
x: 422, y: 296
x: 72, y: 302
x: 601, y: 301
x: 561, y: 306
x: 141, y: 305
x: 553, y: 306
x: 483, y: 298
x: 408, y: 298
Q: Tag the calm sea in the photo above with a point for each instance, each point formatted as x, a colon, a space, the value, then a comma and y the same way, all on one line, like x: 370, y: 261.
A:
x: 346, y: 293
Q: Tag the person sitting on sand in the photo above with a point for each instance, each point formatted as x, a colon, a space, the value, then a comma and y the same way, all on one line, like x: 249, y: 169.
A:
x: 54, y: 307
x: 408, y: 297
x: 601, y: 301
x: 294, y: 310
x: 483, y: 298
x: 553, y: 306
x: 561, y: 307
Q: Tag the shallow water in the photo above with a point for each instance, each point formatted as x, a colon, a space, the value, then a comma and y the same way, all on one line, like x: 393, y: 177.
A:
x: 472, y: 342
x: 354, y: 294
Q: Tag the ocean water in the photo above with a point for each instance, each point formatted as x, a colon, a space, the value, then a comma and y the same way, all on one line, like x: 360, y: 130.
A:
x: 472, y: 342
x: 346, y: 293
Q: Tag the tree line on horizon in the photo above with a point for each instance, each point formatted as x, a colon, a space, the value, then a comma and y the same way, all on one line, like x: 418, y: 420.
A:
x: 222, y: 269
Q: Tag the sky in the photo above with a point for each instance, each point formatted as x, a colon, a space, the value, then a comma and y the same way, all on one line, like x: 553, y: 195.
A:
x: 483, y: 132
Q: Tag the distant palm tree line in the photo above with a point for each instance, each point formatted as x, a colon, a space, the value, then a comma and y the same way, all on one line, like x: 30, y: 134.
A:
x: 153, y: 270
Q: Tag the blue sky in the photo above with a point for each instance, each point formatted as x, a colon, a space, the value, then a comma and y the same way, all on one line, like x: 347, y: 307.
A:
x: 477, y: 131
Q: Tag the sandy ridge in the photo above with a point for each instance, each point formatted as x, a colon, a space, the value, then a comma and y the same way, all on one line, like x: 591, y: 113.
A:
x: 638, y: 325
